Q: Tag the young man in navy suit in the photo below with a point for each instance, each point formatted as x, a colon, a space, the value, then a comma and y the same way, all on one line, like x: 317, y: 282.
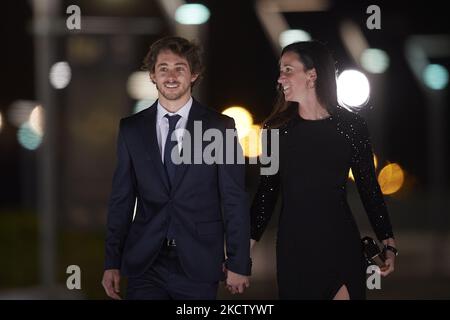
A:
x: 173, y: 248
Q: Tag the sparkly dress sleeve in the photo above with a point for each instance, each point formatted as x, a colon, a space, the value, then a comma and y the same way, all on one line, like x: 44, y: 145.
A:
x: 364, y: 172
x: 265, y: 198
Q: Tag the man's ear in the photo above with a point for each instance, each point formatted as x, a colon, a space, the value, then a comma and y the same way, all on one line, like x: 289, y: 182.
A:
x: 152, y: 77
x: 312, y: 74
x: 194, y: 77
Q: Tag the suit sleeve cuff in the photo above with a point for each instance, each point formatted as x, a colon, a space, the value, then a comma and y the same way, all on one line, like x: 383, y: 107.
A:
x: 239, y: 268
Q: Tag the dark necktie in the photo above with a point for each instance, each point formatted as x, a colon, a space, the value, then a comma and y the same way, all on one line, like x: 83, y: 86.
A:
x: 169, y: 145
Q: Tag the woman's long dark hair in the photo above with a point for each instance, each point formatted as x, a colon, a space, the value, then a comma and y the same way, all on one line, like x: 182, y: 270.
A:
x: 313, y: 54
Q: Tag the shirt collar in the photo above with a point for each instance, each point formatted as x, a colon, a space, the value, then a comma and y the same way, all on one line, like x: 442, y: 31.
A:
x: 183, y: 111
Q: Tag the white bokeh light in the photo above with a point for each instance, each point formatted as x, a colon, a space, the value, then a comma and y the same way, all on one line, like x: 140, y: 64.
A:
x: 140, y: 87
x: 375, y: 60
x: 60, y: 75
x: 1, y: 123
x: 293, y: 35
x: 36, y: 120
x: 193, y: 13
x: 353, y: 89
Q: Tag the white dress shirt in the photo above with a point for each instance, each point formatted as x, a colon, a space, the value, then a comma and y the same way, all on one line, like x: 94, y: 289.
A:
x: 162, y: 125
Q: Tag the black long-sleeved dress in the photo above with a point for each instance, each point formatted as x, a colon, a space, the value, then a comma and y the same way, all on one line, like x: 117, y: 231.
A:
x: 318, y: 242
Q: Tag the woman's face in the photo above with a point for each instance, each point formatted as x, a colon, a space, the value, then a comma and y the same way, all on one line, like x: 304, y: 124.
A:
x: 293, y: 78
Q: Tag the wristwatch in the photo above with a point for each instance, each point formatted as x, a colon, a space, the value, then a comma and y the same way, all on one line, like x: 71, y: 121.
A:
x: 392, y: 249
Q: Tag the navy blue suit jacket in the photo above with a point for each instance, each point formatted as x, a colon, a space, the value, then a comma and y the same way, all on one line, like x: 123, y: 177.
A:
x: 206, y: 203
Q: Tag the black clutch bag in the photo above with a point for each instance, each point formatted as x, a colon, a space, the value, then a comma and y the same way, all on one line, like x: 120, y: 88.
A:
x: 372, y: 252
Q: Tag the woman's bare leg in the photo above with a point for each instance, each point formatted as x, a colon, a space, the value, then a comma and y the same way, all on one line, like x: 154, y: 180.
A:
x: 342, y: 294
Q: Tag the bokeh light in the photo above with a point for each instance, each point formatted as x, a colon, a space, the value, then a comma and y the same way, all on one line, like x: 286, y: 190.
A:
x: 140, y: 87
x: 193, y: 13
x: 36, y: 120
x: 353, y: 89
x: 435, y: 76
x: 242, y: 118
x: 60, y: 75
x: 251, y: 143
x: 28, y: 138
x: 374, y: 60
x: 293, y: 35
x: 391, y: 178
x: 142, y: 104
x: 19, y: 111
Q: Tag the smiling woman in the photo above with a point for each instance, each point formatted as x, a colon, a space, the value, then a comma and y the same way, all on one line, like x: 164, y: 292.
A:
x: 319, y: 142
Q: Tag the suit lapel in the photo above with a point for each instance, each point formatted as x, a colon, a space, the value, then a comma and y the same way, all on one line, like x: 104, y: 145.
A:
x: 195, y: 114
x: 147, y: 127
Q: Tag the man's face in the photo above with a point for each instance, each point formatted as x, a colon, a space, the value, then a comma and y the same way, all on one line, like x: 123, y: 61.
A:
x: 172, y: 76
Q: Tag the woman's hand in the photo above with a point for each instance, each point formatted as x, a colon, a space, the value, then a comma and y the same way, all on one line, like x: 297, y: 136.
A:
x: 390, y: 258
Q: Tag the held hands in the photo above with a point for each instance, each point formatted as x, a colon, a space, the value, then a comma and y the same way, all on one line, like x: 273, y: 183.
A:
x: 111, y: 283
x: 235, y: 283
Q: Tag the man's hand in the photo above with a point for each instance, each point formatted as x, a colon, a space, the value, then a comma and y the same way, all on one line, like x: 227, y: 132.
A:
x: 111, y: 283
x: 236, y: 283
